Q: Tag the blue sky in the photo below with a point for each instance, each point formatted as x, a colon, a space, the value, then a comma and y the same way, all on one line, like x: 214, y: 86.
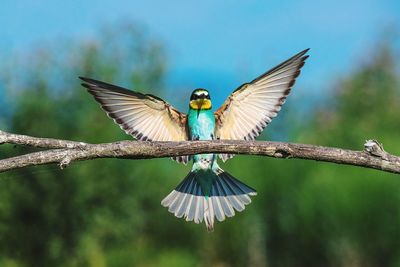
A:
x: 219, y: 44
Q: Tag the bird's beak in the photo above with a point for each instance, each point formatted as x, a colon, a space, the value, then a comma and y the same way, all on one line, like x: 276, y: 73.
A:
x: 200, y: 103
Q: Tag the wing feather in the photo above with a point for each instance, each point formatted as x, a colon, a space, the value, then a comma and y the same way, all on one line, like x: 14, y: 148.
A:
x: 252, y: 106
x: 145, y: 117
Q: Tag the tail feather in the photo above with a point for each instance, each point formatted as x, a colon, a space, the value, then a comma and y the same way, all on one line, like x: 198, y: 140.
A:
x: 206, y: 195
x: 208, y: 213
x: 189, y: 211
x: 199, y: 209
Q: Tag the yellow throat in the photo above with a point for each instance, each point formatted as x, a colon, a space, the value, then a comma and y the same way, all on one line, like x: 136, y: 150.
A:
x: 200, y: 104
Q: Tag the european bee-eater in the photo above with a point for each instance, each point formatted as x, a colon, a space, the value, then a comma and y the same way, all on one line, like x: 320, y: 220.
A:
x: 207, y: 192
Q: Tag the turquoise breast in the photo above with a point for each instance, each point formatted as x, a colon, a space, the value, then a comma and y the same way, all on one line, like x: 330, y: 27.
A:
x: 201, y: 127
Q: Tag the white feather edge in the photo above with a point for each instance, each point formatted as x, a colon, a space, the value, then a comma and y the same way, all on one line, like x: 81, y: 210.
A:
x: 199, y: 208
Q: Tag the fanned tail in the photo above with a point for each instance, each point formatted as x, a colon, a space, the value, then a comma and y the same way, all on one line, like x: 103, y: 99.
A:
x: 208, y: 194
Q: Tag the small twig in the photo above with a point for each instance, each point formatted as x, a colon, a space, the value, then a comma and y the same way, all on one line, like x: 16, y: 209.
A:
x: 69, y: 151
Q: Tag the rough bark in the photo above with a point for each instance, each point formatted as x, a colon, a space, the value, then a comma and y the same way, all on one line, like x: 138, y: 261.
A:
x: 63, y: 152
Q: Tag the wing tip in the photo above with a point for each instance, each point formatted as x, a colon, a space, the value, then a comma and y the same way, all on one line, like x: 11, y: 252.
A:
x: 302, y: 56
x: 87, y: 86
x: 302, y: 53
x: 305, y: 51
x: 89, y: 81
x: 90, y: 84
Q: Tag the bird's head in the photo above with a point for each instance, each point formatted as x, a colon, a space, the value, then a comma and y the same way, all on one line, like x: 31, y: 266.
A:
x: 200, y: 99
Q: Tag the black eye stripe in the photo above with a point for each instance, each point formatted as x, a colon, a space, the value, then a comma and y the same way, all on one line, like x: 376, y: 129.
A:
x: 199, y: 95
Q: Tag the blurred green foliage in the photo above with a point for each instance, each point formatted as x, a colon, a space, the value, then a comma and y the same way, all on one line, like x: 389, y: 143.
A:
x: 107, y: 212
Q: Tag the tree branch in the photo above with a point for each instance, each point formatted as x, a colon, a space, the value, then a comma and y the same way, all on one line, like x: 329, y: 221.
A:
x: 63, y: 152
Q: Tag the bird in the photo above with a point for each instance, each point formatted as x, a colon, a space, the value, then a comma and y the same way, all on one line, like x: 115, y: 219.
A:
x: 207, y: 193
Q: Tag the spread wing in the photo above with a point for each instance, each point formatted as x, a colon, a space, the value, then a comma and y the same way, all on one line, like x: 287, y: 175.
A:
x: 250, y: 108
x: 145, y: 117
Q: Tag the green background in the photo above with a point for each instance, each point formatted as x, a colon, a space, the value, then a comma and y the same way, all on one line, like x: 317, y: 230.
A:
x: 107, y: 212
